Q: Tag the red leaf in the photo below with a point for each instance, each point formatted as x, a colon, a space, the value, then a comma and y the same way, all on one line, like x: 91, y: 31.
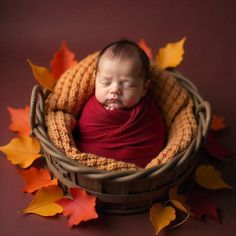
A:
x: 20, y: 121
x: 215, y: 149
x: 142, y: 44
x: 81, y: 208
x: 201, y: 206
x: 62, y: 60
x: 217, y: 123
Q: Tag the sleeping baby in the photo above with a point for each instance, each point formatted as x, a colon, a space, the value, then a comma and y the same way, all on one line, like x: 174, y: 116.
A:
x: 121, y: 121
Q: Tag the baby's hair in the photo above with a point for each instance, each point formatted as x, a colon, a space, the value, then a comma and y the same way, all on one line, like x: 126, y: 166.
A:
x: 126, y: 48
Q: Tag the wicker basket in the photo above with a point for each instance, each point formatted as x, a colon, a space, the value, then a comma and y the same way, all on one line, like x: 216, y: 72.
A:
x: 121, y: 192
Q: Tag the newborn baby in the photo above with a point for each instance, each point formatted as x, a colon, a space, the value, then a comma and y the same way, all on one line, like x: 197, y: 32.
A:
x: 121, y: 121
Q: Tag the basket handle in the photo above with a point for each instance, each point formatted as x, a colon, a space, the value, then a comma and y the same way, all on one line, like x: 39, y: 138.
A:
x: 205, y: 115
x: 36, y: 107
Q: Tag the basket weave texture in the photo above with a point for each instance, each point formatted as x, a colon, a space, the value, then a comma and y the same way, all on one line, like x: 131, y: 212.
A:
x: 119, y: 187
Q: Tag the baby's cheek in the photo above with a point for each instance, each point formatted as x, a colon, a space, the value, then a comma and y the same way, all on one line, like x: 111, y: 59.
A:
x: 131, y: 101
x: 100, y: 95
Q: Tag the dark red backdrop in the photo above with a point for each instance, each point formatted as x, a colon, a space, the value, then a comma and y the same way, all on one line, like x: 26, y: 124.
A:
x: 34, y: 30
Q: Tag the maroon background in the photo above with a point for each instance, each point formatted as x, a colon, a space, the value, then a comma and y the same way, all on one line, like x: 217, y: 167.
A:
x: 34, y: 30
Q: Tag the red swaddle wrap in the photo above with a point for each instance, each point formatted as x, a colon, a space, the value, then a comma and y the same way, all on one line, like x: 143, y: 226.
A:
x: 134, y: 135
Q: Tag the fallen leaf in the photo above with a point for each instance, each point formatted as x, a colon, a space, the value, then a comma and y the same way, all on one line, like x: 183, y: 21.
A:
x: 215, y: 148
x: 22, y: 151
x: 62, y: 60
x: 44, y: 202
x: 201, y: 206
x: 20, y: 121
x: 176, y: 198
x: 217, y: 123
x: 81, y: 208
x: 161, y: 216
x: 171, y: 55
x: 208, y: 177
x: 36, y: 178
x: 142, y: 44
x: 43, y: 76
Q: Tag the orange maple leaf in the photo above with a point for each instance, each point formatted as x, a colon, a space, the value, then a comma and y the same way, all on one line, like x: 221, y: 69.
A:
x: 62, y: 60
x: 22, y: 151
x: 142, y: 44
x: 217, y: 123
x: 20, y: 121
x: 36, y: 179
x: 43, y: 76
x: 81, y: 208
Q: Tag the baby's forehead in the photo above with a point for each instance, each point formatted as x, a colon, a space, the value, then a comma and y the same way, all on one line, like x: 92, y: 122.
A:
x: 132, y: 56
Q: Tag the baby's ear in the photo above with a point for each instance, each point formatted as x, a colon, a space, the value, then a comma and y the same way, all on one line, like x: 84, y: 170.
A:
x: 146, y: 87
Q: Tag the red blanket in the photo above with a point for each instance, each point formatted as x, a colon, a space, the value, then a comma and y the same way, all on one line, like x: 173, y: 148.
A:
x: 134, y: 135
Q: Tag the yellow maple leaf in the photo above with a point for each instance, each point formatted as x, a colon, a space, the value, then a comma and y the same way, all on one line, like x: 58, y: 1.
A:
x: 208, y: 177
x: 22, y: 151
x: 161, y: 216
x: 43, y: 202
x: 43, y: 76
x: 171, y: 55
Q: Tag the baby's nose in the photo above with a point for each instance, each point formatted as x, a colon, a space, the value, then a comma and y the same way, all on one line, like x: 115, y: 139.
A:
x: 115, y: 88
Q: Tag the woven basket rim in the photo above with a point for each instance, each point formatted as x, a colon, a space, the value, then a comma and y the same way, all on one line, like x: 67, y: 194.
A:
x: 202, y: 110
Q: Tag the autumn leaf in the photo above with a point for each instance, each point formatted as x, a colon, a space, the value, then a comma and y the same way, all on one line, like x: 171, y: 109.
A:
x: 215, y: 148
x: 20, y: 121
x: 142, y: 44
x: 201, y: 206
x: 62, y: 60
x: 22, y: 151
x: 161, y: 216
x: 36, y: 179
x: 44, y: 202
x: 217, y: 123
x: 171, y: 55
x: 178, y: 200
x: 81, y: 208
x: 43, y: 76
x: 208, y: 177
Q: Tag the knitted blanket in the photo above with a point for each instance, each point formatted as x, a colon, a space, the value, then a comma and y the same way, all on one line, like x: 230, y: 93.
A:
x: 76, y: 86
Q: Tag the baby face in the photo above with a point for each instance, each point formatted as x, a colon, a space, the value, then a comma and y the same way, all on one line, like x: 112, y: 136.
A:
x: 119, y: 83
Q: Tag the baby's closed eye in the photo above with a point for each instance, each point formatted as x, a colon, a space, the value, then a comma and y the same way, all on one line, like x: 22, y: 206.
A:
x: 129, y: 84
